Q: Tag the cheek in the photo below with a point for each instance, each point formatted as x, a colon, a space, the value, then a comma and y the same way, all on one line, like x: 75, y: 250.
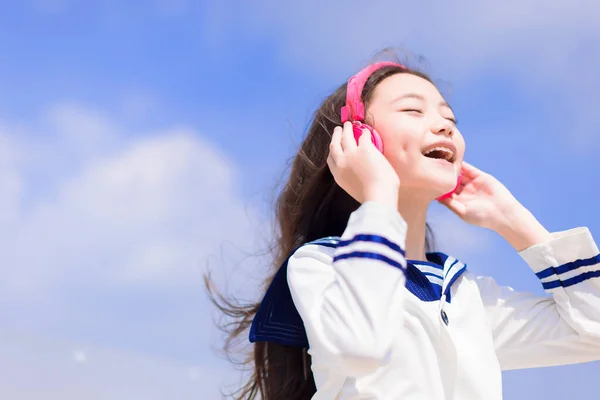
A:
x: 404, y: 155
x: 401, y: 142
x: 401, y: 145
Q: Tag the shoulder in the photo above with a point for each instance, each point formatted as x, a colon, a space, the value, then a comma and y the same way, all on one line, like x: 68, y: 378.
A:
x: 312, y: 262
x: 320, y: 249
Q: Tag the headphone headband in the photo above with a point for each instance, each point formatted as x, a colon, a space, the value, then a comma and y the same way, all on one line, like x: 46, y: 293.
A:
x: 354, y: 110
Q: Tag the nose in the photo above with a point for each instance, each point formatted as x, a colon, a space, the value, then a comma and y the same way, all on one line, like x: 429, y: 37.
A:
x: 444, y: 127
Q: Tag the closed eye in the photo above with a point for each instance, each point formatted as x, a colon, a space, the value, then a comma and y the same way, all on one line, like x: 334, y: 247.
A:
x: 420, y: 112
x: 414, y: 110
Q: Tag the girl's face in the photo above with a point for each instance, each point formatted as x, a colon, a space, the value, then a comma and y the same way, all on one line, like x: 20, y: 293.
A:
x: 419, y: 133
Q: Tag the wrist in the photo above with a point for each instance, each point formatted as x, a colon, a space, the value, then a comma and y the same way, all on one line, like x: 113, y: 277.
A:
x: 521, y: 229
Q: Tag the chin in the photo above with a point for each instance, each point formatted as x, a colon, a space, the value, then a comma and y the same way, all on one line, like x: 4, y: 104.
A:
x: 440, y: 185
x: 429, y: 179
x: 447, y: 185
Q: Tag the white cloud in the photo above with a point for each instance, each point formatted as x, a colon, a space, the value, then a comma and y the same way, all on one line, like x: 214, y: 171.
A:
x: 106, y: 237
x: 142, y: 211
x: 34, y: 367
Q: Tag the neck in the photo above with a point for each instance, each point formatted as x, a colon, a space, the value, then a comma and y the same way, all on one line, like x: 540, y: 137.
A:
x: 414, y: 211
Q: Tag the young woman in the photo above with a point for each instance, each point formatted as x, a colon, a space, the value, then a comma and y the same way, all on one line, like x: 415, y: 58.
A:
x: 359, y: 308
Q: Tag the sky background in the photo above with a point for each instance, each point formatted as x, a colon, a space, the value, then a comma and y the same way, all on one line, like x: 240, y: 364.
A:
x: 141, y: 143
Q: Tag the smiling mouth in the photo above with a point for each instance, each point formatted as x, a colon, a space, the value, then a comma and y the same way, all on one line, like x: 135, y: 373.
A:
x: 440, y: 153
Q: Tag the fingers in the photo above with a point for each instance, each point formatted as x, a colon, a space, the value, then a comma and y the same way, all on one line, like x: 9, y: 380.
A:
x: 348, y: 141
x: 331, y: 164
x: 365, y: 137
x: 335, y: 148
x: 469, y: 171
x: 343, y: 140
x: 464, y: 181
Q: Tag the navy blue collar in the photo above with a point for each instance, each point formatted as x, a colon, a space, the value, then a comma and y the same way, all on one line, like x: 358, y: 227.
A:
x: 440, y: 270
x: 277, y: 319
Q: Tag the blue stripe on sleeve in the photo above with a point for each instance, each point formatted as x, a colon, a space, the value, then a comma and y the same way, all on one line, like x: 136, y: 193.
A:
x: 577, y: 264
x: 373, y: 239
x: 370, y: 255
x: 571, y: 281
x: 568, y: 267
x: 546, y: 273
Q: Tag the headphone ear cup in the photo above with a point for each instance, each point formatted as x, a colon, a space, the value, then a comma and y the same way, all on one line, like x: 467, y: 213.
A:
x: 358, y: 127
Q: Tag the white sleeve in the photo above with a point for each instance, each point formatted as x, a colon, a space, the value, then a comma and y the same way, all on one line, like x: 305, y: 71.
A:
x: 562, y: 328
x: 351, y: 301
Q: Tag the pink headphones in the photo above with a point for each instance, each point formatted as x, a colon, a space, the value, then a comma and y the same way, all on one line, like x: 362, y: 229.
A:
x: 354, y: 110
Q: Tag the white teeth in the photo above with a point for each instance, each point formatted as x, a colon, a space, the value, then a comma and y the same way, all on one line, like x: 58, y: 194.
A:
x: 448, y: 154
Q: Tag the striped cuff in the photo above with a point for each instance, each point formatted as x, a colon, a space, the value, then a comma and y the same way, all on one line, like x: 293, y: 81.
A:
x: 569, y: 258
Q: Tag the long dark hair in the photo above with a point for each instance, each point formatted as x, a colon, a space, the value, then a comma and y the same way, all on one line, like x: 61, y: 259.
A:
x: 310, y: 206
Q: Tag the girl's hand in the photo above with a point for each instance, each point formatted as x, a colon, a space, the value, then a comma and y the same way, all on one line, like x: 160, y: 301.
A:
x: 360, y: 169
x: 483, y: 201
x: 480, y: 199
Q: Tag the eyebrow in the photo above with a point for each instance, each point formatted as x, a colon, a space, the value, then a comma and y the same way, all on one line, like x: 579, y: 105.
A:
x: 419, y: 97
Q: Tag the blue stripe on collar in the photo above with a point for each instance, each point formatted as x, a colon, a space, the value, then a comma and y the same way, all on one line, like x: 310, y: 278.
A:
x: 420, y: 285
x: 453, y: 269
x: 441, y: 270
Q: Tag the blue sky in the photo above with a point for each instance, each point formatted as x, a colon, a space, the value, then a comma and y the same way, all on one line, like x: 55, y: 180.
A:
x: 140, y: 141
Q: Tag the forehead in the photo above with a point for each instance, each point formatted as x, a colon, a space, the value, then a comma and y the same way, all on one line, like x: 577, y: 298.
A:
x: 399, y: 84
